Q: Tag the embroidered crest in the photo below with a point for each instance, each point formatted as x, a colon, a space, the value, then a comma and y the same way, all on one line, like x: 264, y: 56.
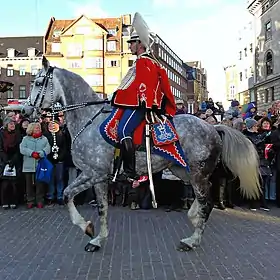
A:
x: 163, y: 133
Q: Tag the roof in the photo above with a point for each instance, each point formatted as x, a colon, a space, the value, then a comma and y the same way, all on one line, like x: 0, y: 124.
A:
x: 62, y: 25
x: 21, y: 45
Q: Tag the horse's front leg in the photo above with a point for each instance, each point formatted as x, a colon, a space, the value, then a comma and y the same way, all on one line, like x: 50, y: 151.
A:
x: 101, y: 190
x: 81, y: 183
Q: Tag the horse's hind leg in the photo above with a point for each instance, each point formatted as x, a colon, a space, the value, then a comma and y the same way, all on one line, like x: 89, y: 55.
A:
x: 101, y: 191
x: 200, y: 209
x: 199, y: 212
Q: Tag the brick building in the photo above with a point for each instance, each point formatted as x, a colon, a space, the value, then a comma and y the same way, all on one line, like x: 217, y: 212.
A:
x: 173, y: 65
x: 20, y: 60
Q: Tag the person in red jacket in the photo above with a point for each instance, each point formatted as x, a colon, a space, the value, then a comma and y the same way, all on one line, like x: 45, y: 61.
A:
x: 144, y: 88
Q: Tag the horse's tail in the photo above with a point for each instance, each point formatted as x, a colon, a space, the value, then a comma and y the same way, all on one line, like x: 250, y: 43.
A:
x: 241, y: 157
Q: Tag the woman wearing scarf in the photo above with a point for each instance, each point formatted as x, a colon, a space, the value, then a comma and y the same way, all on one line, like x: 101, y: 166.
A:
x: 33, y: 147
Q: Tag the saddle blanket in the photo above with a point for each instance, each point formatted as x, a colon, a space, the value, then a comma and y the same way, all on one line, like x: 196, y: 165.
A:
x: 165, y: 139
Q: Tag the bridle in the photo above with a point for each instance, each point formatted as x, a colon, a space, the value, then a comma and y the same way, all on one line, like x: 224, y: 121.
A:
x: 48, y: 80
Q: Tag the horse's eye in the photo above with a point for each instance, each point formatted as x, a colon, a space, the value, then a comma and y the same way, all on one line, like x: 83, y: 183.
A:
x: 37, y: 84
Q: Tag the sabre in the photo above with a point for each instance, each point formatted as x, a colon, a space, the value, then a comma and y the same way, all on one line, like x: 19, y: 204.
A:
x: 149, y: 164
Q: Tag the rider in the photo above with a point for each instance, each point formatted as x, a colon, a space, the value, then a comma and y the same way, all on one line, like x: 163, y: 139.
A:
x: 144, y: 88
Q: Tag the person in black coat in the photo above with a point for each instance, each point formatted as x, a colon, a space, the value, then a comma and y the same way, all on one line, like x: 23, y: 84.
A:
x: 57, y: 184
x: 259, y: 140
x: 275, y: 141
x: 10, y: 163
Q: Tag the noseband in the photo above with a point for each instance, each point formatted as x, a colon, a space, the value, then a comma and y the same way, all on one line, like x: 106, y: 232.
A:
x: 43, y: 88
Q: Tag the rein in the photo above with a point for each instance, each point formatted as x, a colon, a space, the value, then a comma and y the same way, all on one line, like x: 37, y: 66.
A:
x: 47, y: 78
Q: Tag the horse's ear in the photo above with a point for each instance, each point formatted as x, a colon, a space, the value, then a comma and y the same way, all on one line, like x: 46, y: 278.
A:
x: 45, y: 63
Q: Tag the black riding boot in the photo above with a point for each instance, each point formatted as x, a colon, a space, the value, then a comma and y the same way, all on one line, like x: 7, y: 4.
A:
x: 129, y: 159
x: 222, y: 186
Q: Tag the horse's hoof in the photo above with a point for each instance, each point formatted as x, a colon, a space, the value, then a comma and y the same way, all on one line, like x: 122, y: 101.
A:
x: 91, y: 248
x: 183, y: 247
x: 89, y: 230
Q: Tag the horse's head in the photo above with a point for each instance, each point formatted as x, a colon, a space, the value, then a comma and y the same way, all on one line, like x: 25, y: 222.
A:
x: 46, y: 90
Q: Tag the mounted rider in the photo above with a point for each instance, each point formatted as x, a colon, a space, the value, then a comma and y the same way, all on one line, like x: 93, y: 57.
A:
x: 144, y: 89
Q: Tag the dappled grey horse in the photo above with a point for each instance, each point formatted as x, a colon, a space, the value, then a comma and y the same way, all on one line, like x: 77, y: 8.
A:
x: 203, y: 144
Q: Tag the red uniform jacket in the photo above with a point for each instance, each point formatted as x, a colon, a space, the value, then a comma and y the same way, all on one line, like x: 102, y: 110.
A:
x: 146, y: 84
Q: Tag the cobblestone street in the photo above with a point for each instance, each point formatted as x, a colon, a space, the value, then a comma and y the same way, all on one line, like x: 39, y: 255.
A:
x: 44, y: 245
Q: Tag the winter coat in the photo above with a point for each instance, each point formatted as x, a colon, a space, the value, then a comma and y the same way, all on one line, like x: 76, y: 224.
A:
x: 12, y: 156
x: 260, y: 141
x: 30, y: 145
x: 61, y: 143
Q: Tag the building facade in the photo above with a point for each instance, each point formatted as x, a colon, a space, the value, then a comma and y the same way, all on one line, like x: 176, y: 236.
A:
x: 267, y: 56
x: 20, y: 60
x: 95, y: 49
x: 197, y: 82
x: 245, y: 63
x: 173, y: 65
x: 231, y: 84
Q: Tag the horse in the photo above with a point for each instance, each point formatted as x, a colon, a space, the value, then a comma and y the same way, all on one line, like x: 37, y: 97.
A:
x: 203, y: 144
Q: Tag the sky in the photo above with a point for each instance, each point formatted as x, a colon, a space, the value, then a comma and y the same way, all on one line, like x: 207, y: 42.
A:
x: 205, y: 30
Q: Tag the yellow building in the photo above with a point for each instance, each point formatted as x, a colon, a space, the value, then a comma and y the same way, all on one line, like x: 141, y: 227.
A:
x: 96, y: 49
x: 231, y: 82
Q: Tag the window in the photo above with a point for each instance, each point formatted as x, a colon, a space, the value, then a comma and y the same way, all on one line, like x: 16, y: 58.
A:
x: 246, y: 74
x: 190, y: 108
x: 55, y: 47
x: 74, y: 49
x: 251, y: 71
x: 31, y: 52
x: 240, y: 76
x: 112, y: 31
x: 268, y: 31
x: 130, y: 62
x: 240, y: 55
x: 94, y: 80
x: 111, y: 46
x: 251, y: 47
x: 231, y: 92
x: 266, y: 94
x: 94, y: 45
x: 245, y: 52
x: 94, y: 62
x: 75, y: 64
x: 113, y: 63
x: 22, y: 70
x: 56, y: 33
x: 10, y: 93
x: 10, y: 71
x: 34, y: 70
x: 22, y: 92
x: 272, y: 93
x: 269, y: 63
x: 113, y: 80
x: 11, y: 52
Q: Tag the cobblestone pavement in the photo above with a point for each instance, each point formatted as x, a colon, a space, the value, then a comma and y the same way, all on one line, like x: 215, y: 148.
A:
x: 42, y: 244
